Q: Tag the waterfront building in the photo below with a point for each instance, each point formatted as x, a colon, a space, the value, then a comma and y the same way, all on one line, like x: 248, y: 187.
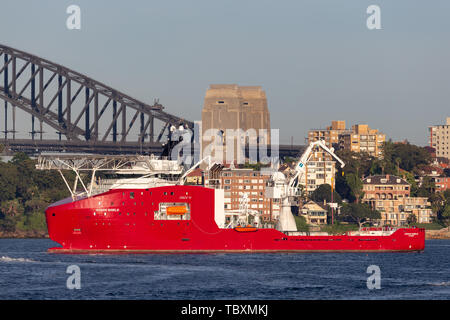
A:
x: 390, y: 195
x: 314, y: 213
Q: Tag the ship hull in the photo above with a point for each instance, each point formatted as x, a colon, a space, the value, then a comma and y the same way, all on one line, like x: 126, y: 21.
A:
x: 128, y: 221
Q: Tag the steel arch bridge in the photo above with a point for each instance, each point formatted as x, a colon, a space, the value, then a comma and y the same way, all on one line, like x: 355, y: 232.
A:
x: 77, y: 107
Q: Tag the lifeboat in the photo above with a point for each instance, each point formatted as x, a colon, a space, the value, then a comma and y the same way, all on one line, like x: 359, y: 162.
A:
x: 248, y: 228
x: 176, y: 210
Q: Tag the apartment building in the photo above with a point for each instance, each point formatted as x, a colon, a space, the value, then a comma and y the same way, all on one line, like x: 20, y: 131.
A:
x: 330, y: 135
x: 442, y: 183
x: 440, y: 139
x: 360, y: 138
x: 390, y: 195
x: 385, y: 187
x: 236, y: 182
x: 317, y: 173
x: 363, y: 139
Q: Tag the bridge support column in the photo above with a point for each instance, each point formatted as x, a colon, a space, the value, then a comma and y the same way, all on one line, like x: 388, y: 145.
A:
x: 86, y: 117
x: 6, y: 92
x: 33, y: 99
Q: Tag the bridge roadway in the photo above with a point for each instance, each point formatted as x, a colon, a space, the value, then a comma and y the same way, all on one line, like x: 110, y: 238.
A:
x: 35, y: 147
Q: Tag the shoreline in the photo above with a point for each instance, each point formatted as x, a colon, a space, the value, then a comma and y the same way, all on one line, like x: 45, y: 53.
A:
x: 443, y: 233
x: 24, y: 235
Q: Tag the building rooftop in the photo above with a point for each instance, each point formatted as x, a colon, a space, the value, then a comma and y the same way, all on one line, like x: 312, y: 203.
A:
x: 385, y: 179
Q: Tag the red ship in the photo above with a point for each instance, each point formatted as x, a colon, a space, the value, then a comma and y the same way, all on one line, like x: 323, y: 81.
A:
x: 150, y: 214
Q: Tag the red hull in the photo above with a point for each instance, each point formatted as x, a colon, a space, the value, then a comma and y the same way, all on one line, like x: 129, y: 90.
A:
x: 115, y: 222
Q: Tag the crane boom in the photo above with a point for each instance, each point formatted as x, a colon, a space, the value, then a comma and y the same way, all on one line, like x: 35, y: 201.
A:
x: 300, y: 166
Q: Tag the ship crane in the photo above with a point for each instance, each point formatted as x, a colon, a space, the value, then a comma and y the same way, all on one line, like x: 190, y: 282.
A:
x: 285, y: 189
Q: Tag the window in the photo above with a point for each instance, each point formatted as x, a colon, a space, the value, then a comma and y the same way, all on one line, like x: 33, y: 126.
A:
x: 131, y: 195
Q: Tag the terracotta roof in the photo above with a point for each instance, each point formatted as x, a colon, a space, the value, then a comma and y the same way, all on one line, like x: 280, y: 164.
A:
x: 196, y: 173
x: 385, y: 179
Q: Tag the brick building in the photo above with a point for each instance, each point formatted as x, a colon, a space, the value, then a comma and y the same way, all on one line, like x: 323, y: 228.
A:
x: 385, y: 187
x: 236, y: 182
x: 390, y: 195
x: 442, y: 183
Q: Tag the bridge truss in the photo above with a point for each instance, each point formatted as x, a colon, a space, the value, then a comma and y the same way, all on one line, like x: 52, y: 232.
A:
x: 77, y: 108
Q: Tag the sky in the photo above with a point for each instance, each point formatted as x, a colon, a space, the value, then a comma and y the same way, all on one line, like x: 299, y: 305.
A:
x: 316, y: 60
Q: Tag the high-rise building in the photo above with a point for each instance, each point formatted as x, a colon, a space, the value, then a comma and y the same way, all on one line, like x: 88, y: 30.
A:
x: 330, y: 135
x: 363, y: 139
x: 360, y: 138
x: 318, y: 172
x: 321, y: 168
x: 440, y: 139
x: 228, y: 108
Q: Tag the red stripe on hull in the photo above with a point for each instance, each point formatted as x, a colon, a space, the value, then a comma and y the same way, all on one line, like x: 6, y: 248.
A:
x: 115, y: 222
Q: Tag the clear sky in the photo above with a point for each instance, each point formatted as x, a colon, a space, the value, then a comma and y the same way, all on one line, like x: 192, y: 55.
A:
x: 316, y: 60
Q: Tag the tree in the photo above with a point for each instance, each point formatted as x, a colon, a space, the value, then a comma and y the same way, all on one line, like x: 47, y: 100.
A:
x: 410, y: 156
x: 447, y: 172
x: 300, y: 221
x: 411, y: 219
x: 323, y: 192
x: 356, y: 186
x: 360, y: 213
x: 445, y: 215
x: 427, y: 187
x: 8, y: 181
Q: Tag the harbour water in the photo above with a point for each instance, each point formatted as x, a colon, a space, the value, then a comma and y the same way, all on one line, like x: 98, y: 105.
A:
x: 27, y: 271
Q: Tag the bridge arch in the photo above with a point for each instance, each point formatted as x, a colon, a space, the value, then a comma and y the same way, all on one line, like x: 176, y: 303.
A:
x: 77, y: 107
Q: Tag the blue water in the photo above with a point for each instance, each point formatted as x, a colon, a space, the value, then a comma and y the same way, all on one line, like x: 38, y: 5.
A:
x: 27, y: 271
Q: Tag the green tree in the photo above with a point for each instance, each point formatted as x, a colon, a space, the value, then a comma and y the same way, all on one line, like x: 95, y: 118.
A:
x: 411, y: 219
x: 8, y: 181
x: 300, y: 221
x: 323, y: 192
x: 427, y: 187
x: 445, y: 215
x: 356, y: 186
x: 410, y: 156
x: 12, y: 208
x: 360, y: 213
